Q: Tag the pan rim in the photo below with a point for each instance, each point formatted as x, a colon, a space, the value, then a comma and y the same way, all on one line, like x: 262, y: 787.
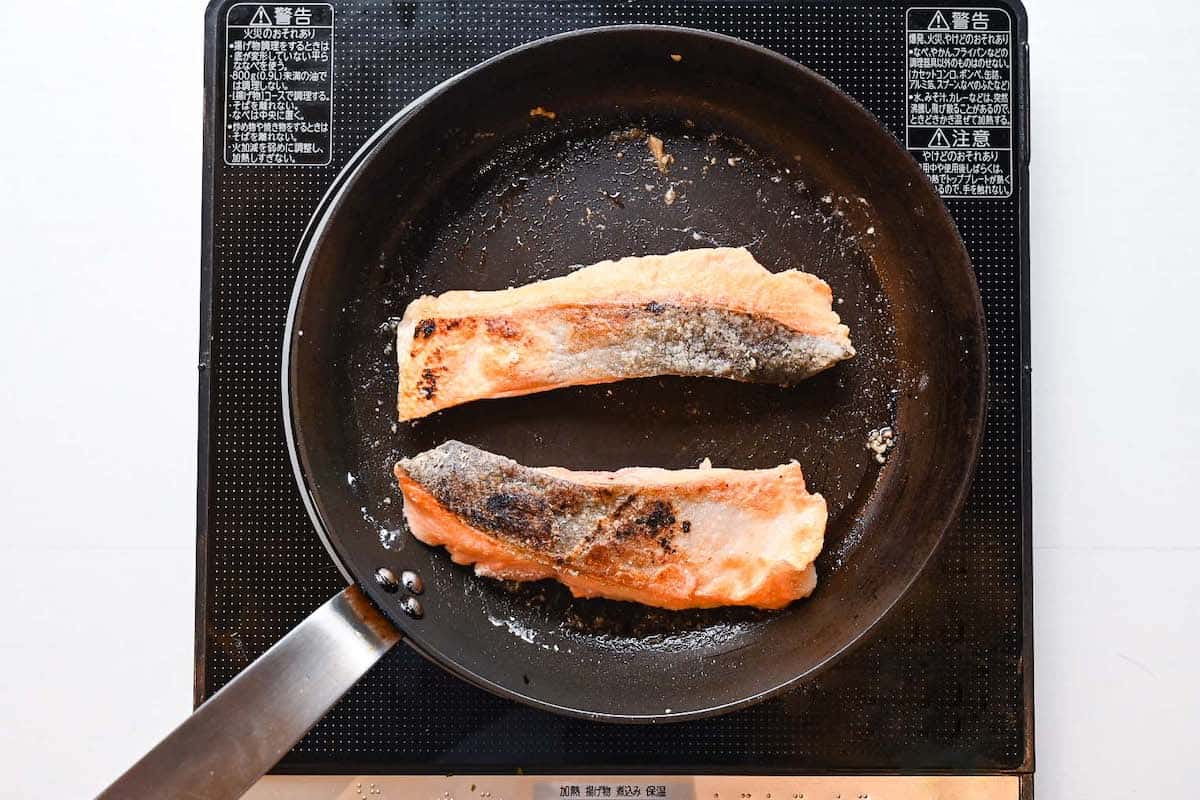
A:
x: 343, y: 184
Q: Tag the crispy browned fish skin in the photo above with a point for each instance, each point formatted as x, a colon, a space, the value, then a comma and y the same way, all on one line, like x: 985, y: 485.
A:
x: 669, y: 538
x: 710, y: 312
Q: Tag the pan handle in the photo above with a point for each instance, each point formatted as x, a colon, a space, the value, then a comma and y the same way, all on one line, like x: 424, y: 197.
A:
x: 244, y: 729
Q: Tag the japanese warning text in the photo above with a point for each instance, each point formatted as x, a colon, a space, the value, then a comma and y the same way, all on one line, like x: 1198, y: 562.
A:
x: 959, y: 98
x: 279, y: 84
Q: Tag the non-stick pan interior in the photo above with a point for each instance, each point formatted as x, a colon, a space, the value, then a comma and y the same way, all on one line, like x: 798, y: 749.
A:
x: 540, y: 162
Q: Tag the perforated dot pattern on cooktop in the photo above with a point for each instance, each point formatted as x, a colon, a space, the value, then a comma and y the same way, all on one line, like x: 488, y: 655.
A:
x: 939, y: 687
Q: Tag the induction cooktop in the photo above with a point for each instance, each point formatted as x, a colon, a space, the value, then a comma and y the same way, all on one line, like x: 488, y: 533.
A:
x: 938, y: 701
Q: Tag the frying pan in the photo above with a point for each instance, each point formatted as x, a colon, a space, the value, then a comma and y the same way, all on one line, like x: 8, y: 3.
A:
x: 511, y: 172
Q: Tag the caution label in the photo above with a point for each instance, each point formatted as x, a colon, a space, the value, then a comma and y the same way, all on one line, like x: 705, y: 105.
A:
x: 960, y: 99
x: 279, y: 84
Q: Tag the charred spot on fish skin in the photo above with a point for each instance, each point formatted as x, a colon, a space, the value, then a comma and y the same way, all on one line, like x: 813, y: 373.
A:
x: 655, y: 307
x: 500, y: 502
x: 518, y: 515
x: 637, y: 518
x: 427, y: 386
x: 686, y: 526
x: 659, y: 516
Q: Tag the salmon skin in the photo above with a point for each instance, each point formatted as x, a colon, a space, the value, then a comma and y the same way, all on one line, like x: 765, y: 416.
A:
x: 709, y: 312
x: 675, y: 539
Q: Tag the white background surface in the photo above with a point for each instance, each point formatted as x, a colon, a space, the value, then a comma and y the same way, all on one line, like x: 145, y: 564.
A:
x: 99, y: 247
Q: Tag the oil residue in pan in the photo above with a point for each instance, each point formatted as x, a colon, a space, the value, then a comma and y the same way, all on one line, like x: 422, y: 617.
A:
x: 589, y: 190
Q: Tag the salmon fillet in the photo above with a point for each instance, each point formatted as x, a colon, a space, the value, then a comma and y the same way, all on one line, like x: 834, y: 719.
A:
x: 690, y: 538
x: 713, y: 312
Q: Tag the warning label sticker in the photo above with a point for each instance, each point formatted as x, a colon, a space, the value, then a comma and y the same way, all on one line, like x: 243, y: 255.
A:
x: 279, y: 85
x: 960, y: 98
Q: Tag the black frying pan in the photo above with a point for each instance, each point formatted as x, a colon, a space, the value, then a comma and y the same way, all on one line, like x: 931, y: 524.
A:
x: 467, y: 189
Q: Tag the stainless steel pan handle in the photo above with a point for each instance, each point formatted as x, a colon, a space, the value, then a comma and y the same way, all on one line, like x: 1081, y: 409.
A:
x: 244, y: 729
